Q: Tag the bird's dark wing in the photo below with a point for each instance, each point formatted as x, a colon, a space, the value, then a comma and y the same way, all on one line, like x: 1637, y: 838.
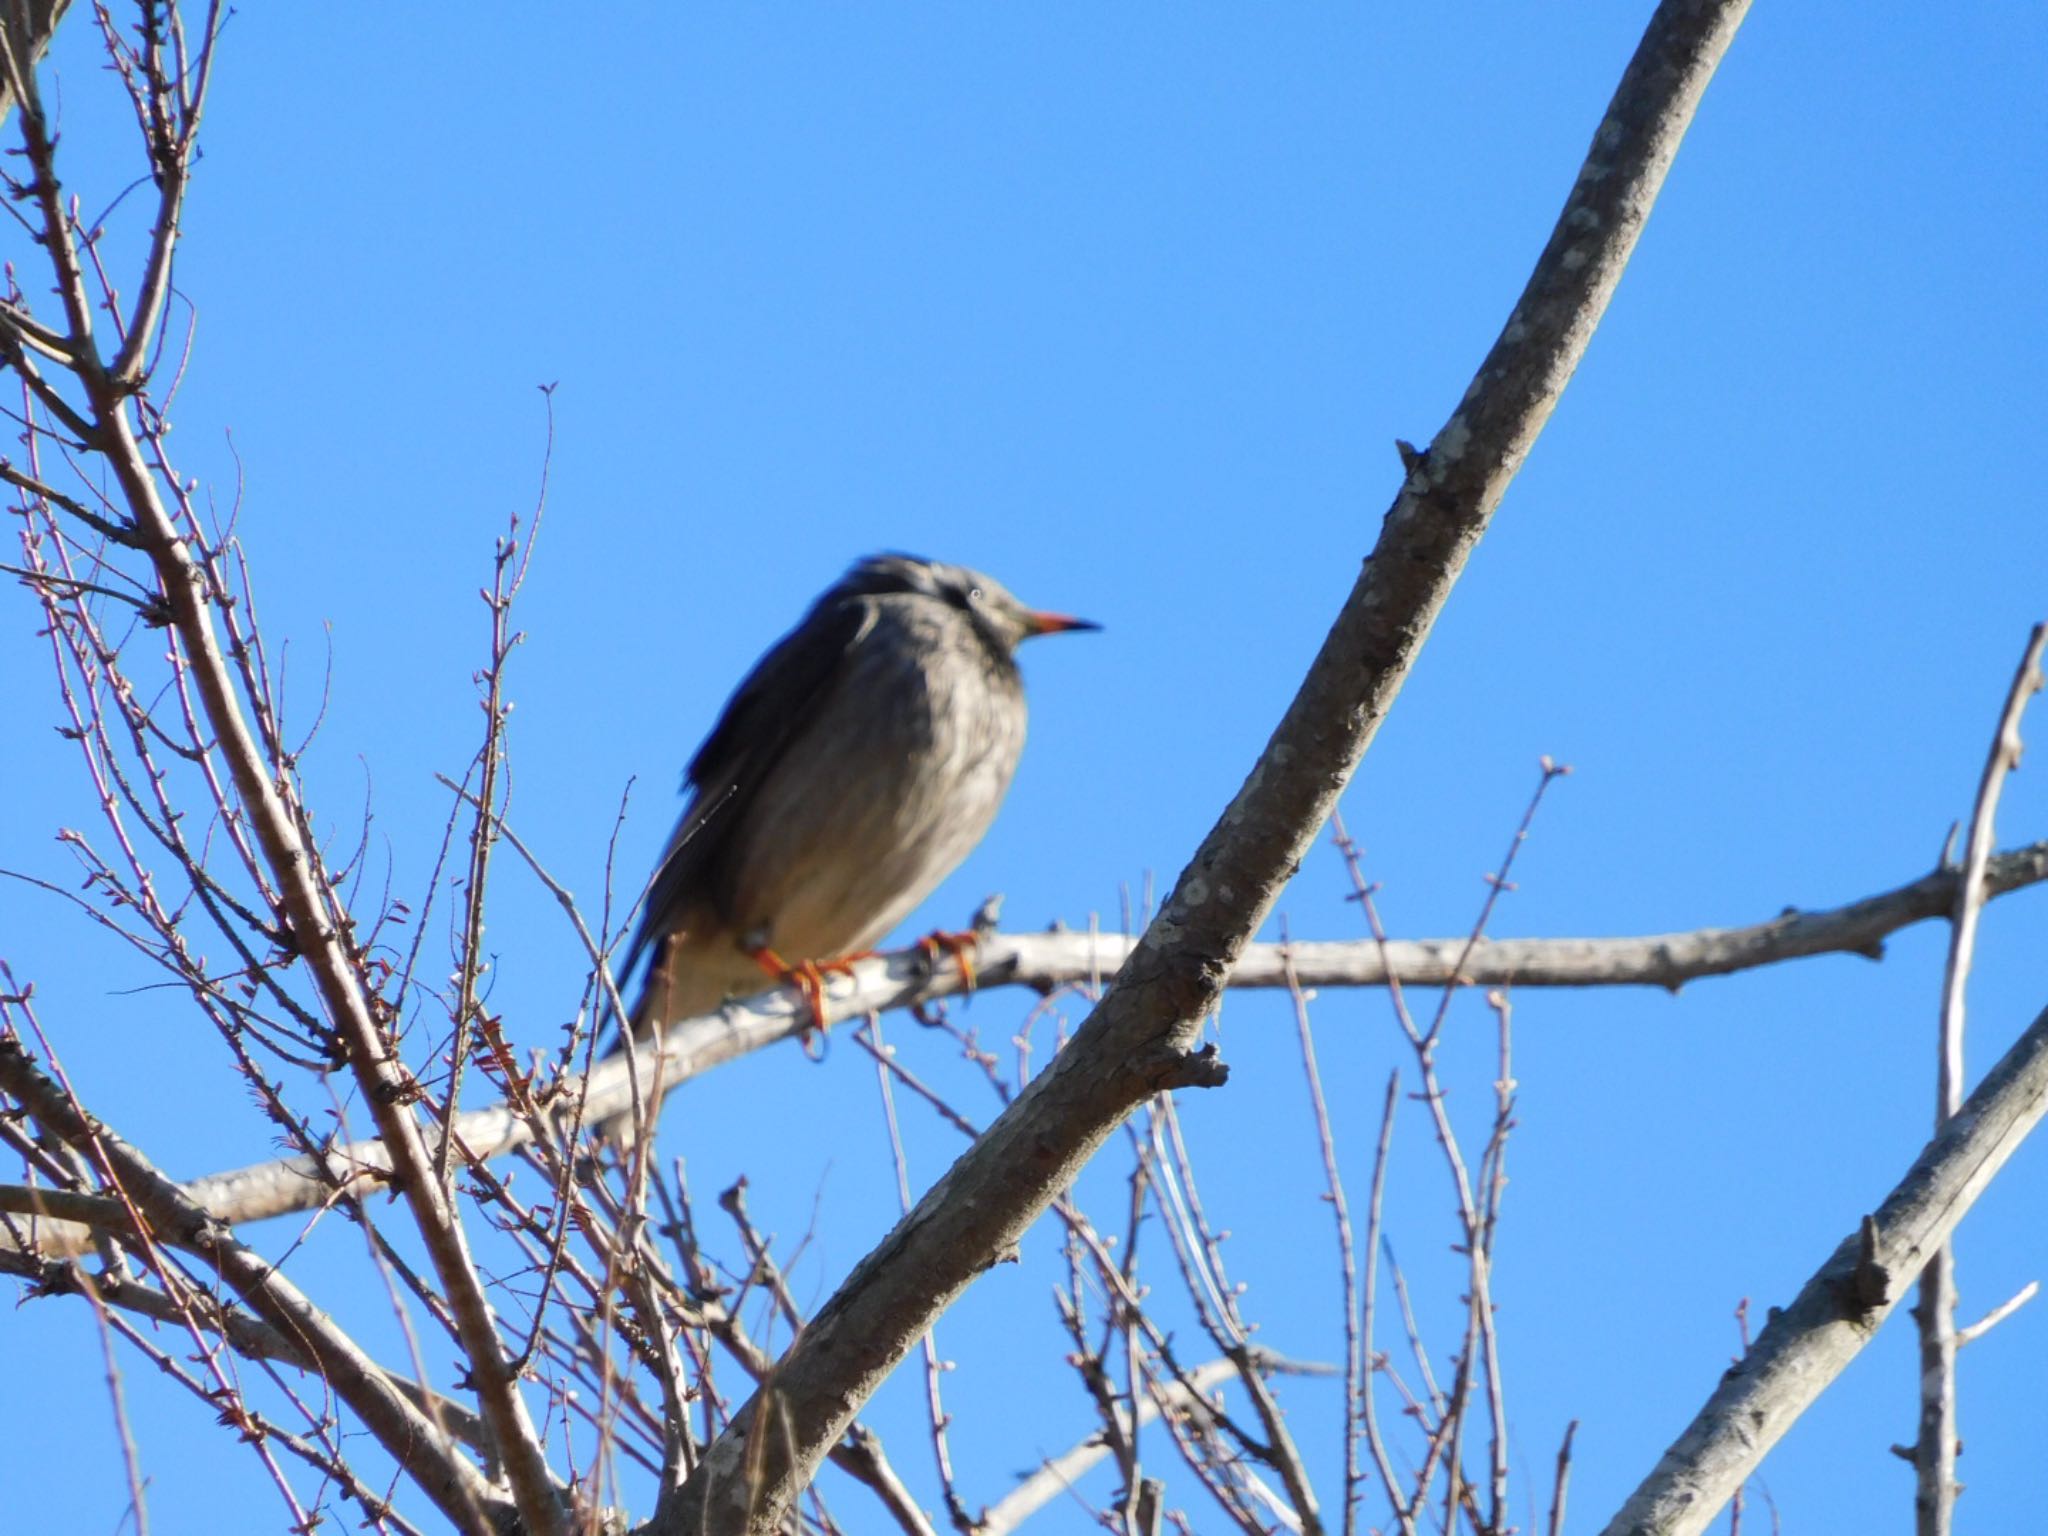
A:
x: 768, y: 710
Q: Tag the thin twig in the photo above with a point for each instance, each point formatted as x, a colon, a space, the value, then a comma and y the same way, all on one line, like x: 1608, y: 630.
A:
x: 1200, y: 1252
x: 124, y: 1432
x: 1368, y: 1401
x: 1939, y: 1441
x: 510, y: 560
x: 1493, y: 1187
x: 1997, y: 1314
x: 1347, y: 1261
x: 1479, y: 1355
x: 936, y: 1417
x: 1564, y: 1473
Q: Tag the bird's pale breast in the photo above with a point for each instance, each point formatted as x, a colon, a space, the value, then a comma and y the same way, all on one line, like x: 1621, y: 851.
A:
x: 885, y: 791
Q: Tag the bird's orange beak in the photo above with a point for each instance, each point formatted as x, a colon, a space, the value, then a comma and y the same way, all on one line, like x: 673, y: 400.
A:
x: 1056, y: 623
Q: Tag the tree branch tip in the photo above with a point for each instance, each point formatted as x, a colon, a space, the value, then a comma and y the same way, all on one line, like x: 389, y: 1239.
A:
x: 1997, y: 1314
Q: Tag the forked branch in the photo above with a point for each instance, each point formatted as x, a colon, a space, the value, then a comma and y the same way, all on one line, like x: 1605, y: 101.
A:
x: 1143, y: 1036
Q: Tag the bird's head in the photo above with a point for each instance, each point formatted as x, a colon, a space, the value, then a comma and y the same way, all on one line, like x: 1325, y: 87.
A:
x: 990, y: 606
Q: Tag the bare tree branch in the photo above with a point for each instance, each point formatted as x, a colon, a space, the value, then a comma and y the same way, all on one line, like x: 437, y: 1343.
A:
x: 1807, y: 1345
x: 311, y: 911
x: 250, y: 1337
x: 1046, y: 961
x: 594, y: 1300
x: 454, y: 1485
x: 1142, y: 1038
x: 1347, y: 1257
x: 1940, y: 1440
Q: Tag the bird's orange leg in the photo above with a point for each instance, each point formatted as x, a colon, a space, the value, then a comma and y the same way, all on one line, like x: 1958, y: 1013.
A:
x: 807, y: 976
x: 960, y: 944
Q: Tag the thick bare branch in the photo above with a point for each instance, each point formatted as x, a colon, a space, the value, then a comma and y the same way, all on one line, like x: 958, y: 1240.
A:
x: 1142, y: 1038
x: 1808, y: 1344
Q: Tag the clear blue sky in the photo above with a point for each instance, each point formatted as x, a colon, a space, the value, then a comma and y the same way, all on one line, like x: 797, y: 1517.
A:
x: 1127, y: 306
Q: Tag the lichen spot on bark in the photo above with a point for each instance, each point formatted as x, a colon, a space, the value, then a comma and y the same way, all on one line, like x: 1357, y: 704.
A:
x: 1450, y: 445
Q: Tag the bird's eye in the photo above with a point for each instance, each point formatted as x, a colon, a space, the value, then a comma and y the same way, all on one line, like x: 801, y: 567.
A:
x: 974, y: 594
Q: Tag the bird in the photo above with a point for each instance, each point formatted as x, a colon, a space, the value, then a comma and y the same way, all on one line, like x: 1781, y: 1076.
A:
x: 862, y: 758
